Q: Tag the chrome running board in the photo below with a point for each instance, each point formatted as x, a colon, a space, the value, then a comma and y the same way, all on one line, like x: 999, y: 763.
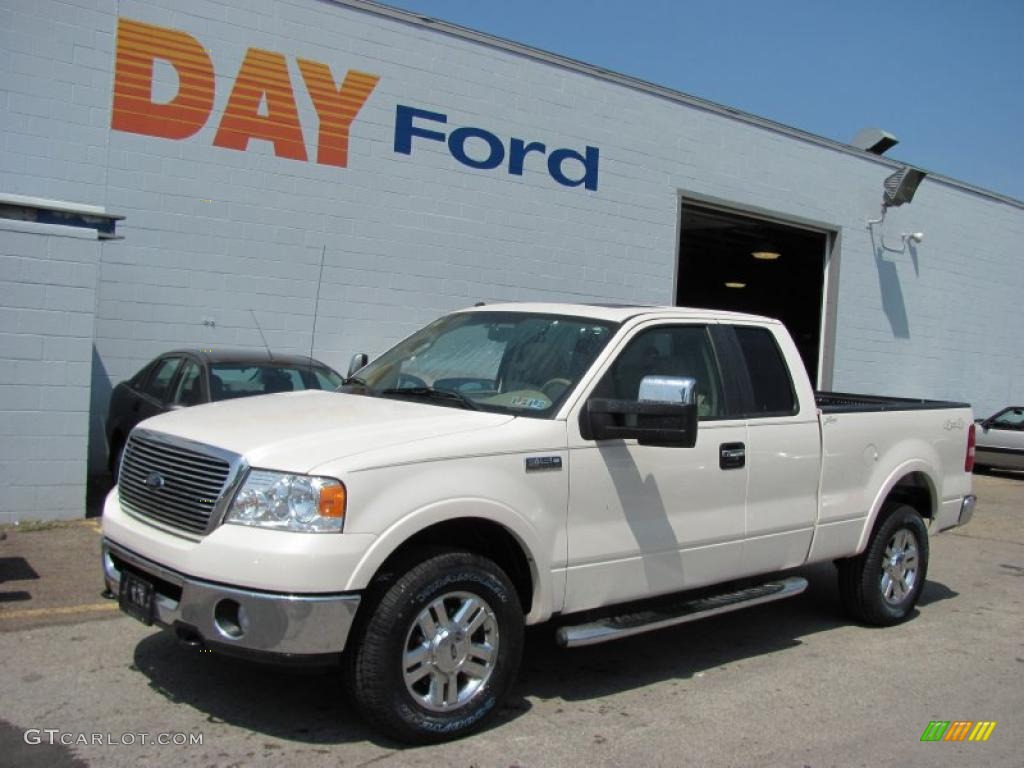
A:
x: 615, y: 627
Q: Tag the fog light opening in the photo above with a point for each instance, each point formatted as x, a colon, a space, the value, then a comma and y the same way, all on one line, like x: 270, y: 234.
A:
x: 231, y: 619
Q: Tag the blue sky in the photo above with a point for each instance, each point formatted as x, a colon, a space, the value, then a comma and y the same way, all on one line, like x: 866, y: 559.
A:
x: 946, y: 76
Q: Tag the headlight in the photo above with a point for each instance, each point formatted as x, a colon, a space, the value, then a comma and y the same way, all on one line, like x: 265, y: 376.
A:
x: 289, y: 502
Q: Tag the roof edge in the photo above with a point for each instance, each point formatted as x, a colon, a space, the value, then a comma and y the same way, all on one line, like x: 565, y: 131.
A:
x: 565, y: 62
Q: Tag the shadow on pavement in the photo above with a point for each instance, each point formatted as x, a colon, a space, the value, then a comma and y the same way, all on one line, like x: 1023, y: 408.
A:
x: 311, y: 706
x: 28, y: 748
x: 308, y: 706
x: 935, y: 592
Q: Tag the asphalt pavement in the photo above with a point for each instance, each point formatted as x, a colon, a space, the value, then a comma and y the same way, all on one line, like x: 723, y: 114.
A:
x: 789, y: 684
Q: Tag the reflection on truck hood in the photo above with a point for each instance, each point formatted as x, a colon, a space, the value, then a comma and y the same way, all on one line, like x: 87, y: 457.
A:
x: 297, y: 431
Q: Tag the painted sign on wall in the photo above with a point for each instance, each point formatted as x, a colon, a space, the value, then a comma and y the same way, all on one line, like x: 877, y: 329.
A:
x: 262, y: 106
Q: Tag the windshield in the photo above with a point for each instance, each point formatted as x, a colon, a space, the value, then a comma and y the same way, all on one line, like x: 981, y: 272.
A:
x: 510, y: 362
x: 231, y: 380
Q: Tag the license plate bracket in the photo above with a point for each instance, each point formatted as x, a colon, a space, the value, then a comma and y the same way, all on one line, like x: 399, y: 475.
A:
x: 136, y: 597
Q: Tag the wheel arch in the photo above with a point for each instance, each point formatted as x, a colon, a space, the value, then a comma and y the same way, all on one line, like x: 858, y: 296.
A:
x: 913, y: 484
x: 508, y: 542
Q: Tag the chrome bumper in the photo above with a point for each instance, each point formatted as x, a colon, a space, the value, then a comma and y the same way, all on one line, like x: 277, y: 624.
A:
x: 967, y: 509
x: 238, y: 619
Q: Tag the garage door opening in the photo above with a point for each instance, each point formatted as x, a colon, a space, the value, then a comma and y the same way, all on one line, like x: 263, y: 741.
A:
x: 745, y: 264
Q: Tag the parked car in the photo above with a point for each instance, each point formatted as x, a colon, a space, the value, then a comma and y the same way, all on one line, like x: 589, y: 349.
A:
x: 188, y: 377
x: 1001, y: 440
x: 508, y: 464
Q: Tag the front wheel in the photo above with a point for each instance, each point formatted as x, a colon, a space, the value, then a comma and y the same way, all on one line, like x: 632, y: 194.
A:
x: 441, y: 649
x: 882, y: 585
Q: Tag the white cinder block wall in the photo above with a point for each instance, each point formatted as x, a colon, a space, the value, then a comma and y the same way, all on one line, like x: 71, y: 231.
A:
x: 48, y: 284
x: 217, y: 234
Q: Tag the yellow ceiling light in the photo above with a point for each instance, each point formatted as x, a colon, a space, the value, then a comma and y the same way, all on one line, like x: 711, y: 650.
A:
x: 735, y: 285
x: 765, y: 255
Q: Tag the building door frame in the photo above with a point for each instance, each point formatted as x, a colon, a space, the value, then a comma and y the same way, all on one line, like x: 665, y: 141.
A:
x: 830, y: 288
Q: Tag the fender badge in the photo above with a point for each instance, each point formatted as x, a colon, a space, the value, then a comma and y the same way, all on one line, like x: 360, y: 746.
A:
x: 537, y: 463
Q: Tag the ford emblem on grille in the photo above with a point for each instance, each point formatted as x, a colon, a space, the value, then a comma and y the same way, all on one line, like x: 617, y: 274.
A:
x: 155, y: 481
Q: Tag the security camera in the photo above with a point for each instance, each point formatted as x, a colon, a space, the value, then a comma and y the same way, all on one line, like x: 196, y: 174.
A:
x: 917, y: 237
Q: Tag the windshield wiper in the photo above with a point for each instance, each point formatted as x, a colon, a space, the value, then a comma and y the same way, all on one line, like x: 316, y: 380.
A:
x: 432, y: 394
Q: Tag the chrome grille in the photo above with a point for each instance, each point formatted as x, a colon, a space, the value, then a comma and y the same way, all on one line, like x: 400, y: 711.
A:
x: 171, y: 484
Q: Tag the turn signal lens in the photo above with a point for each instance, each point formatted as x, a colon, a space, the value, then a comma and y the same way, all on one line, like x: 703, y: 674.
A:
x: 332, y: 501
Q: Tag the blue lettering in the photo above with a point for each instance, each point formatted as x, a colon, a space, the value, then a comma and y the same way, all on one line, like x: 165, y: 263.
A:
x: 582, y: 169
x: 457, y: 146
x: 405, y: 130
x: 518, y: 150
x: 589, y: 178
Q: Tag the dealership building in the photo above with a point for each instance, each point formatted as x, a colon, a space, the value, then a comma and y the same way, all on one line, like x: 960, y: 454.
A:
x: 337, y: 173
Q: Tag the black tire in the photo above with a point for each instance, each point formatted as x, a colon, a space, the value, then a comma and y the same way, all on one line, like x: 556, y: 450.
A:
x: 377, y: 655
x: 862, y: 583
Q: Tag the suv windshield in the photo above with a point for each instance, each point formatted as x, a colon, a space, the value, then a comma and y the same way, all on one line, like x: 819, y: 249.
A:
x: 510, y: 362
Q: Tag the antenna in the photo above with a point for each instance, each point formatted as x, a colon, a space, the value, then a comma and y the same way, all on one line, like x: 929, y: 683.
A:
x: 271, y: 354
x: 316, y: 306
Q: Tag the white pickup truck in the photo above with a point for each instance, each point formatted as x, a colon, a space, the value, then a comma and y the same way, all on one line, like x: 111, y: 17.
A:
x: 618, y: 469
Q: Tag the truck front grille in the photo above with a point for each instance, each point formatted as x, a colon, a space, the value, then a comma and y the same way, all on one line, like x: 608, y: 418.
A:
x: 172, y: 485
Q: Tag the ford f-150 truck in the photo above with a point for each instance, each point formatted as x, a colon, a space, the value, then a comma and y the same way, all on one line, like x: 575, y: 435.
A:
x: 617, y: 469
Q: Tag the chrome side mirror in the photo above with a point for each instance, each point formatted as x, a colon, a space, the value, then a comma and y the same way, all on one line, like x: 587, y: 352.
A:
x: 359, y: 360
x: 668, y: 389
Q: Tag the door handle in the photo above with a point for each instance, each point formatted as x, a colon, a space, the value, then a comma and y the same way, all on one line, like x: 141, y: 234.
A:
x: 732, y: 456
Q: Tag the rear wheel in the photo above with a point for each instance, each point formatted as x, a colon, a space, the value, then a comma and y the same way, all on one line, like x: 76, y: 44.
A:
x: 440, y: 650
x: 882, y: 585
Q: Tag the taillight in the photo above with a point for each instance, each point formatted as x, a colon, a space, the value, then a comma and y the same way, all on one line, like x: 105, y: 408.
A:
x: 971, y: 440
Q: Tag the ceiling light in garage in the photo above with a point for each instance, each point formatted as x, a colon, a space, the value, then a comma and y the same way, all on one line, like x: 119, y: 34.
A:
x: 766, y: 254
x: 735, y: 285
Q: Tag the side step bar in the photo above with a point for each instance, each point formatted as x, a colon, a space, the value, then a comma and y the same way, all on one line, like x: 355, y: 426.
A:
x: 615, y: 627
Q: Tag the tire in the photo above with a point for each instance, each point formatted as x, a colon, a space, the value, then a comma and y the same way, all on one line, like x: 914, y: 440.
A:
x: 452, y: 688
x: 882, y: 585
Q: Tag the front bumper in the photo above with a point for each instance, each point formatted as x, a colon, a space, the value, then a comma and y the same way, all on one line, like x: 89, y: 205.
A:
x: 243, y: 621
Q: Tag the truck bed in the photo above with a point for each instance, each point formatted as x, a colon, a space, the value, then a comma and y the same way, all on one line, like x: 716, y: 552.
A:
x: 844, y: 402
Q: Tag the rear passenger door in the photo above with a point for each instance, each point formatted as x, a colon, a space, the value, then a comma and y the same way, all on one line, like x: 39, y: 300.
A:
x: 783, y: 448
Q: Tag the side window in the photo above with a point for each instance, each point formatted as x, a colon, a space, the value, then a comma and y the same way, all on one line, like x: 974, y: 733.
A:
x: 667, y: 351
x: 769, y: 375
x: 160, y: 381
x: 188, y: 391
x: 1012, y: 418
x: 326, y: 379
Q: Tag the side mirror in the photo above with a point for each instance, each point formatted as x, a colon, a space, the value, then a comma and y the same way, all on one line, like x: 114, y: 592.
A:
x: 664, y: 414
x: 359, y: 360
x: 668, y: 389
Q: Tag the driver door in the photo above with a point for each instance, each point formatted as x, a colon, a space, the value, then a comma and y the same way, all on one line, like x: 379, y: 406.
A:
x: 647, y: 520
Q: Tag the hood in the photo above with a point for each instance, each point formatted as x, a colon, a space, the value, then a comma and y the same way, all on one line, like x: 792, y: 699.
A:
x: 296, y: 431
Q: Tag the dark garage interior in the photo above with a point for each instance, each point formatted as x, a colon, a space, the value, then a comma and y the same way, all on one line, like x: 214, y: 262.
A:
x: 745, y: 264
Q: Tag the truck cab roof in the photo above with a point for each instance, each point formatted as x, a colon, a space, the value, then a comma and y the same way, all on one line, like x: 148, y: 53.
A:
x: 620, y: 313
